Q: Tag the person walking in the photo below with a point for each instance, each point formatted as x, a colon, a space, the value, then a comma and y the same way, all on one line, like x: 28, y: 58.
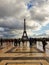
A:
x: 30, y: 40
x: 15, y: 42
x: 44, y: 44
x: 19, y: 41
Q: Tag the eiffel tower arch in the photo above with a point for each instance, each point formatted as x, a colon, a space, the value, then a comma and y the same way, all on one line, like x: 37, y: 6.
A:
x: 24, y: 36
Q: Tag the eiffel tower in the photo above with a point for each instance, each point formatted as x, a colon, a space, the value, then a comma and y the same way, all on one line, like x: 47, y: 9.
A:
x: 24, y: 37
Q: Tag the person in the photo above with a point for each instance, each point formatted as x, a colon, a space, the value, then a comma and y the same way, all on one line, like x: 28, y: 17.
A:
x: 19, y: 41
x: 15, y: 42
x: 23, y: 42
x: 44, y: 44
x: 1, y: 41
x: 30, y: 40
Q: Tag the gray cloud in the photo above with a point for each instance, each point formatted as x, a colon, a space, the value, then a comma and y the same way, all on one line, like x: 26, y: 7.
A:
x: 12, y: 13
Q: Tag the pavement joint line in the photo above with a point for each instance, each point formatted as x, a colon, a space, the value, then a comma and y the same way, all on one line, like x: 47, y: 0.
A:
x: 24, y: 63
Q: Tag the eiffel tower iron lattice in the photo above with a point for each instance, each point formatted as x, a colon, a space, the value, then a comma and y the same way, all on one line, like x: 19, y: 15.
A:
x: 24, y: 36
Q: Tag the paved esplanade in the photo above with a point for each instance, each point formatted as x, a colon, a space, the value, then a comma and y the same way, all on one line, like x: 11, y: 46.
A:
x: 23, y: 55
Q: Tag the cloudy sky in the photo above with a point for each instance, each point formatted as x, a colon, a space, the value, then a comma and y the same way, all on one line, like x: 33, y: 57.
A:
x: 13, y: 12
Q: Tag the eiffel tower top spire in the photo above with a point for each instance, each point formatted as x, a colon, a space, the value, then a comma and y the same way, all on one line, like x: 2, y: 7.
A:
x: 24, y: 25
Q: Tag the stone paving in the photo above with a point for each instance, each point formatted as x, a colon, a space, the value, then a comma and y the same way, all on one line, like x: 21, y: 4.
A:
x: 23, y: 55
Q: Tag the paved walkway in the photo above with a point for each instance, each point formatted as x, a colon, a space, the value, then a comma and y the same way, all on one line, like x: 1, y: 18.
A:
x: 23, y: 55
